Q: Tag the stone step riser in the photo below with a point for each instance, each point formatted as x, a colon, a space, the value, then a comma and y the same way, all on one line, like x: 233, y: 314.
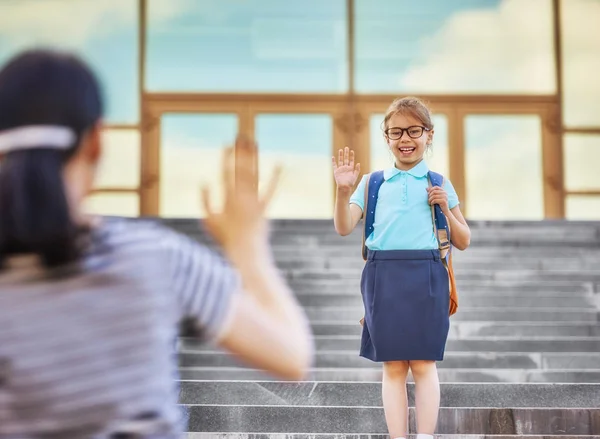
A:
x: 452, y: 360
x: 479, y: 329
x: 368, y: 394
x: 471, y: 301
x: 306, y: 246
x: 299, y: 261
x: 519, y: 261
x: 293, y: 223
x: 317, y: 242
x: 344, y: 314
x: 500, y: 238
x: 482, y: 293
x: 352, y: 277
x: 493, y: 232
x: 200, y: 435
x: 372, y: 420
x: 484, y: 345
x: 327, y: 286
x: 375, y: 374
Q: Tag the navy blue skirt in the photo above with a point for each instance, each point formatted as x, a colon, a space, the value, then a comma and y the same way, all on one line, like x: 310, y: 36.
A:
x: 406, y: 298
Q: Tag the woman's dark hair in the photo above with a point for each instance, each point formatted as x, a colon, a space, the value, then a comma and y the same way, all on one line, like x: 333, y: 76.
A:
x: 42, y: 87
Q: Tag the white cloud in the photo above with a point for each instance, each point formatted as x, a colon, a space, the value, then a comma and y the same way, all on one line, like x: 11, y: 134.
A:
x: 510, y: 47
x: 72, y: 23
x: 460, y: 58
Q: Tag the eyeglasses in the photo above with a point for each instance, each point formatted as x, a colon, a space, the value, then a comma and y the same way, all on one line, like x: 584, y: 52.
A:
x: 413, y: 132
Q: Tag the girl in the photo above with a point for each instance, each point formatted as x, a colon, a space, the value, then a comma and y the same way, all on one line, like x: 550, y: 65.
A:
x: 405, y: 287
x: 89, y: 309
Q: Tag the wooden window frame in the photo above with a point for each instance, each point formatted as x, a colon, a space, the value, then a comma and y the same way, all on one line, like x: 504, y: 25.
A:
x: 351, y: 112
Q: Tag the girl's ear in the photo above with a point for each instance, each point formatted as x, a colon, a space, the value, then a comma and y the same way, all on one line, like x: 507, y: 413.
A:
x: 430, y: 137
x: 385, y: 139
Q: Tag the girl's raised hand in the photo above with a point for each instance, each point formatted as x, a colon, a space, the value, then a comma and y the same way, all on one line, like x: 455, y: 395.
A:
x: 345, y: 170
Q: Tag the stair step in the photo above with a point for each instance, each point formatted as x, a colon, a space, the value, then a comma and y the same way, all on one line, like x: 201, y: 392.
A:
x: 352, y: 420
x: 345, y: 313
x: 461, y: 329
x: 484, y: 293
x: 300, y: 260
x: 368, y: 394
x: 471, y: 344
x: 469, y: 300
x: 200, y: 435
x: 348, y: 276
x: 472, y: 285
x: 375, y: 374
x: 452, y: 360
x: 491, y: 234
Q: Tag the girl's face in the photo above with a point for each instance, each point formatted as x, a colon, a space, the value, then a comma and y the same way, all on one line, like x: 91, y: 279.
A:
x: 407, y: 139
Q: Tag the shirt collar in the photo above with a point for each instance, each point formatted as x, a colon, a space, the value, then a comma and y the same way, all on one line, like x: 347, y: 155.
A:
x: 419, y: 170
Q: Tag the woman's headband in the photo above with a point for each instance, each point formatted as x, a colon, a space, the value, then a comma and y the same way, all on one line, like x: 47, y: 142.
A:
x: 36, y: 136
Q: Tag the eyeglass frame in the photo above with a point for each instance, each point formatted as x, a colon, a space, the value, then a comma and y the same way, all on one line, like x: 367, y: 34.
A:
x: 402, y: 130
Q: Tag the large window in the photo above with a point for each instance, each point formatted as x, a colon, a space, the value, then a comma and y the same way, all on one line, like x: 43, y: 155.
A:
x: 581, y: 62
x: 104, y: 33
x: 504, y: 167
x: 120, y: 165
x: 191, y: 156
x: 302, y: 145
x: 285, y: 71
x: 581, y: 107
x: 581, y: 158
x: 467, y: 46
x: 247, y: 46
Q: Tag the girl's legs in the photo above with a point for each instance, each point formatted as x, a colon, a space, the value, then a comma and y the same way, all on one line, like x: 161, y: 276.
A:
x: 427, y: 395
x: 395, y: 399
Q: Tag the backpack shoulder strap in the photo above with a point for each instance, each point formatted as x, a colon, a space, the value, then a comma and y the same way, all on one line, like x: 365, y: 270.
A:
x: 440, y: 222
x: 436, y: 179
x: 374, y: 182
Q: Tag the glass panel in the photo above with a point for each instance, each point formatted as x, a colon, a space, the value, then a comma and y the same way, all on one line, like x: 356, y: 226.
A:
x: 581, y: 45
x: 436, y: 158
x: 302, y: 143
x: 113, y: 204
x: 467, y: 46
x: 104, y: 34
x: 503, y: 153
x: 120, y: 163
x: 247, y: 46
x: 583, y: 207
x: 581, y: 158
x: 191, y: 156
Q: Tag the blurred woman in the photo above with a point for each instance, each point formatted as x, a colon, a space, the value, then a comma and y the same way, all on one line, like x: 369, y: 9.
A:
x: 89, y: 307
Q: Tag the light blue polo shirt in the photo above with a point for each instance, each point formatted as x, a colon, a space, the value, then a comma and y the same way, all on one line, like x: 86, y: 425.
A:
x: 403, y: 215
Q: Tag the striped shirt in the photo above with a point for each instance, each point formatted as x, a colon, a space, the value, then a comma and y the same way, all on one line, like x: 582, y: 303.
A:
x: 89, y: 350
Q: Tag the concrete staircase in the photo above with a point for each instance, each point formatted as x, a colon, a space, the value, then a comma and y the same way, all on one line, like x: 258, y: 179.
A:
x: 523, y: 357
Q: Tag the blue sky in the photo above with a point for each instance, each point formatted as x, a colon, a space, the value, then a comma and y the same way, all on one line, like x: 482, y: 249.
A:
x: 112, y: 53
x: 389, y: 36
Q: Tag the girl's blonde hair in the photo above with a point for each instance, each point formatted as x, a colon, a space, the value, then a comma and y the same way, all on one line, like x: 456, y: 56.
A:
x: 411, y: 106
